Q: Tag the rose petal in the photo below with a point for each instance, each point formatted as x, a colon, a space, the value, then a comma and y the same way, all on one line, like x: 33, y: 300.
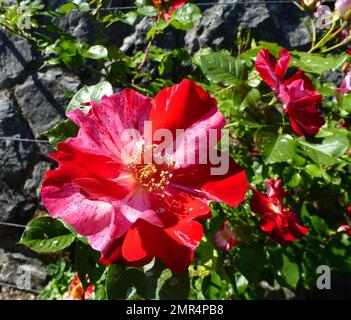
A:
x: 200, y: 181
x: 179, y: 106
x: 178, y: 243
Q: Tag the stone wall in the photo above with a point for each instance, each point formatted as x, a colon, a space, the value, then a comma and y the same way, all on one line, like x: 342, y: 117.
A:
x: 33, y: 100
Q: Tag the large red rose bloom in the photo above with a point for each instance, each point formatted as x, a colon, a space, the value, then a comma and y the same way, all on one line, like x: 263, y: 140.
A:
x: 130, y: 210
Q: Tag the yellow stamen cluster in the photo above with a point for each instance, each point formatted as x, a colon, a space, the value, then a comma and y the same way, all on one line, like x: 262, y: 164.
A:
x: 152, y: 176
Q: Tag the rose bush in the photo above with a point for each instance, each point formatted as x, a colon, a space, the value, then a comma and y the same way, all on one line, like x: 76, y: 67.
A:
x: 138, y: 197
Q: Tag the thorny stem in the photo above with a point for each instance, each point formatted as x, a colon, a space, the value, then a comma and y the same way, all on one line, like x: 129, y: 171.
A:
x: 345, y: 41
x: 283, y: 119
x: 343, y: 27
x: 147, y: 50
x: 273, y: 101
x: 135, y: 86
x: 321, y: 42
x: 238, y: 218
x: 314, y: 31
x: 331, y: 36
x: 227, y: 88
x: 269, y: 94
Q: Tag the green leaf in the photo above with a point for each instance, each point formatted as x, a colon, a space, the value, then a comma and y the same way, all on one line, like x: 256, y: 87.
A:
x: 205, y: 250
x: 149, y: 11
x: 214, y: 287
x: 84, y: 7
x: 154, y: 281
x: 140, y: 3
x: 241, y: 283
x: 276, y: 148
x: 305, y: 215
x: 61, y: 132
x: 271, y: 46
x: 176, y: 287
x: 329, y: 151
x: 320, y: 225
x: 251, y: 100
x: 90, y: 93
x: 345, y: 103
x: 338, y: 253
x: 161, y: 283
x: 315, y: 63
x: 165, y: 65
x: 290, y: 272
x: 97, y: 52
x: 157, y: 28
x: 121, y: 283
x: 184, y: 17
x: 155, y: 277
x: 250, y: 262
x: 313, y: 170
x: 332, y: 133
x: 47, y: 235
x: 68, y: 47
x: 197, y: 56
x: 86, y: 262
x: 130, y: 17
x: 295, y: 180
x: 196, y: 292
x: 299, y: 161
x: 67, y: 7
x: 223, y: 69
x: 249, y: 55
x: 327, y: 89
x: 312, y: 258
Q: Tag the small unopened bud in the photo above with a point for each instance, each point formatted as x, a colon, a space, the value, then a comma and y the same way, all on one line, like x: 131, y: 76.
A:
x: 343, y: 8
x: 309, y: 4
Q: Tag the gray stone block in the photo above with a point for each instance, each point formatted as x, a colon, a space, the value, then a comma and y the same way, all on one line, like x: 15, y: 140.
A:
x: 16, y: 57
x: 42, y: 98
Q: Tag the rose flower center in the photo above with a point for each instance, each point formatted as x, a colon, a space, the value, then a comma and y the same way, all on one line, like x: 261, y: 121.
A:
x: 275, y: 206
x: 152, y: 176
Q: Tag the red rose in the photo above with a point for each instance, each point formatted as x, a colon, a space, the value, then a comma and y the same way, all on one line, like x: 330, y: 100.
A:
x: 130, y: 208
x: 277, y: 219
x: 297, y: 93
x: 167, y: 7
